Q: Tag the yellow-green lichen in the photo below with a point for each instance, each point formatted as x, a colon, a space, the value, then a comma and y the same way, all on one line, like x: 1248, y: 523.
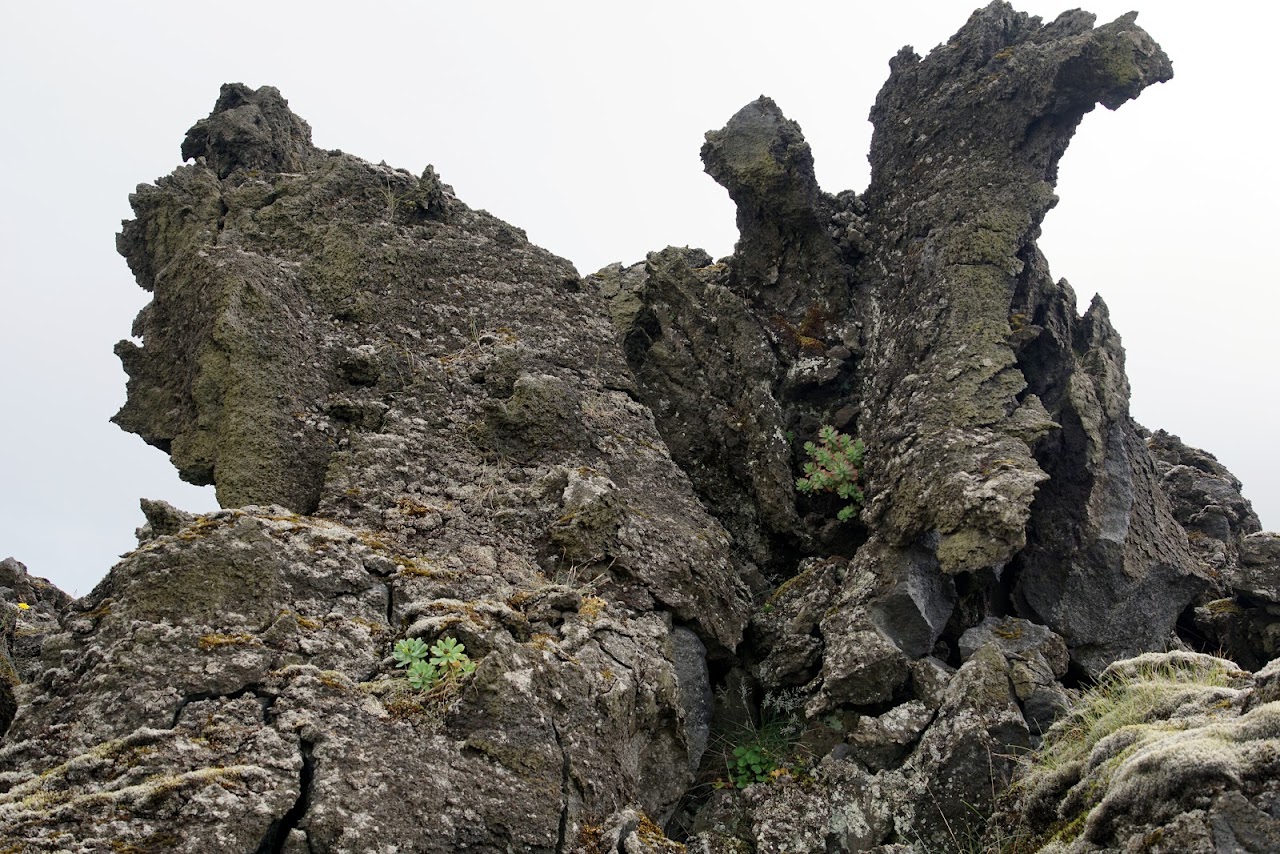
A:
x: 215, y: 641
x: 1225, y: 606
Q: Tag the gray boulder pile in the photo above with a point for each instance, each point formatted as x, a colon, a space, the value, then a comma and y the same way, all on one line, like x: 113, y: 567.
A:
x: 514, y: 560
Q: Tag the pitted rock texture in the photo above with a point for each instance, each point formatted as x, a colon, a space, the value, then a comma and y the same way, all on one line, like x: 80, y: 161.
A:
x: 29, y: 608
x: 921, y: 317
x: 1107, y: 566
x: 1240, y: 614
x: 964, y: 159
x: 978, y: 369
x: 785, y: 262
x: 242, y: 662
x: 1247, y: 623
x: 422, y: 426
x: 1206, y: 498
x: 768, y: 336
x: 352, y: 340
x: 910, y: 773
x: 1176, y: 752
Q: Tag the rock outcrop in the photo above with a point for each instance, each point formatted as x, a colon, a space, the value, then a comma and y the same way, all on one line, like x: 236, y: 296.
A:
x: 29, y: 608
x: 979, y: 370
x: 1172, y: 752
x: 422, y: 428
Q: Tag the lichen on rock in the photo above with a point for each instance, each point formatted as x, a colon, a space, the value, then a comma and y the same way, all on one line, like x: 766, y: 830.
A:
x: 421, y: 427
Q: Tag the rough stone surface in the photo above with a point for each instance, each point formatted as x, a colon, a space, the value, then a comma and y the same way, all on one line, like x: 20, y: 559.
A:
x: 1240, y: 614
x: 862, y: 665
x: 689, y: 657
x: 353, y: 340
x: 864, y: 792
x: 882, y: 742
x: 423, y: 427
x: 1195, y: 769
x: 243, y: 661
x: 963, y: 159
x: 1205, y: 497
x: 785, y: 632
x: 1247, y: 625
x: 953, y: 353
x: 1037, y: 658
x: 948, y: 784
x: 1259, y: 573
x: 29, y: 608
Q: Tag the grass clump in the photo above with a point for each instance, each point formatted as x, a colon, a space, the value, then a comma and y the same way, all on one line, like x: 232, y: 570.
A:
x: 1136, y: 706
x: 770, y: 751
x: 1128, y: 694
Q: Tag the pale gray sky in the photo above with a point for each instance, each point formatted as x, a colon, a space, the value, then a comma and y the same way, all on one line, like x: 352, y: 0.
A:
x: 581, y: 123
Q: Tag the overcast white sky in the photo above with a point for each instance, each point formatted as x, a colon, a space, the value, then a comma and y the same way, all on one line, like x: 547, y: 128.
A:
x: 581, y: 123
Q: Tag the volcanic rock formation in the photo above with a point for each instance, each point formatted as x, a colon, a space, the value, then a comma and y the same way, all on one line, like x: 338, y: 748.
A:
x: 421, y: 426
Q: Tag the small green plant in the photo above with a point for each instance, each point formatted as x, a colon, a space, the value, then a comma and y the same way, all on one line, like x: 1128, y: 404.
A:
x: 448, y: 662
x: 752, y: 763
x: 835, y: 464
x: 408, y: 651
x: 451, y: 657
x: 422, y: 675
x: 772, y: 750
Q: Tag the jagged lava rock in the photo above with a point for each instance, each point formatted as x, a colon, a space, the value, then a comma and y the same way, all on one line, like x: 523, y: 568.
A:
x: 421, y: 426
x: 29, y: 608
x: 921, y: 316
x: 351, y: 339
x: 1239, y: 616
x: 764, y: 334
x: 1206, y: 498
x: 999, y: 428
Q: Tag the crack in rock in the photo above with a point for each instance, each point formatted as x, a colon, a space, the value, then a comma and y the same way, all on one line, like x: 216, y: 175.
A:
x: 278, y: 832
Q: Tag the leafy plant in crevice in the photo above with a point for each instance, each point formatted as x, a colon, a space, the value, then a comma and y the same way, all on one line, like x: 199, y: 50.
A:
x: 443, y: 663
x: 770, y: 751
x: 753, y: 762
x: 835, y: 465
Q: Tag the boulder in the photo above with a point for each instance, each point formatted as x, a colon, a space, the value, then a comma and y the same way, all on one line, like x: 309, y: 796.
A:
x: 1037, y: 659
x: 1206, y: 498
x: 1171, y: 752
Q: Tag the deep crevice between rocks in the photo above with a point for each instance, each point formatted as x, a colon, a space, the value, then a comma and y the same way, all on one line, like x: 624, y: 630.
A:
x: 277, y: 835
x: 223, y: 210
x: 631, y: 393
x: 1188, y: 632
x: 1076, y: 677
x: 565, y: 783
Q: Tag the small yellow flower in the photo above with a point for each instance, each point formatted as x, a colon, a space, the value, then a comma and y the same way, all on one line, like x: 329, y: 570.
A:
x: 24, y: 606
